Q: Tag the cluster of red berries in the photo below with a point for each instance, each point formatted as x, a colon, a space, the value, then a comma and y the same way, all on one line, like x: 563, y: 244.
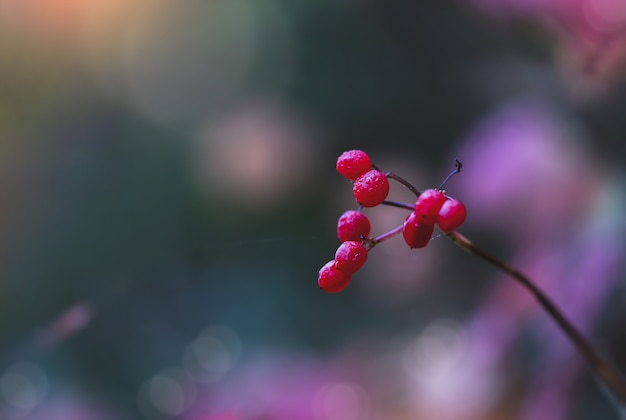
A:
x: 432, y: 207
x: 370, y: 188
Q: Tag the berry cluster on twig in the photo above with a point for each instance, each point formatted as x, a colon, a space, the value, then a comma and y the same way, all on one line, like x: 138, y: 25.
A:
x: 433, y: 207
x: 370, y: 188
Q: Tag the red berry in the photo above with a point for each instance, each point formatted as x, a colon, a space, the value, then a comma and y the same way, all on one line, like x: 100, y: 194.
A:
x: 350, y: 256
x: 352, y: 225
x: 353, y: 163
x: 331, y: 279
x: 451, y: 216
x: 371, y: 188
x: 416, y: 234
x: 428, y: 204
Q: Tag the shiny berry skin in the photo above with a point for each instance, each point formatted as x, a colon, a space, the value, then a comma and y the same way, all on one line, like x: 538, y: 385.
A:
x: 331, y: 279
x: 428, y: 205
x: 353, y: 163
x: 350, y: 256
x: 451, y: 215
x: 371, y: 188
x: 352, y: 225
x: 415, y: 233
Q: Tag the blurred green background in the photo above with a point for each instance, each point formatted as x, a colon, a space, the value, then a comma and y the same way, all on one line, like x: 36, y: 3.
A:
x: 168, y: 195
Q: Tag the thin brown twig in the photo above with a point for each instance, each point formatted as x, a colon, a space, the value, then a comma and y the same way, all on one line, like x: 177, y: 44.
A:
x: 607, y: 374
x: 457, y: 169
x: 604, y: 370
x: 398, y: 204
x: 404, y: 182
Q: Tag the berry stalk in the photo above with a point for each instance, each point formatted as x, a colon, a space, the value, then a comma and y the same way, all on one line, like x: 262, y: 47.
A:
x: 393, y: 232
x: 457, y: 168
x: 398, y: 204
x: 433, y: 207
x: 604, y: 370
x: 404, y: 182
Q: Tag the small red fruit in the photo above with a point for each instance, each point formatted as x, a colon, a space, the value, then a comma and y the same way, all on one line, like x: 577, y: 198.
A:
x: 353, y: 163
x: 352, y: 225
x: 428, y: 204
x: 371, y: 188
x: 416, y: 234
x: 350, y: 256
x: 331, y: 279
x: 451, y: 215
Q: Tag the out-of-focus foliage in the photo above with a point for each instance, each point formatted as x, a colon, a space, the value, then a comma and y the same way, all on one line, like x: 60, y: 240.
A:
x: 168, y: 194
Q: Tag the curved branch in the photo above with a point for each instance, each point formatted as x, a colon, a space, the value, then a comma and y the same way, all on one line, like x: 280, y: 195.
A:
x: 604, y: 370
x: 404, y: 182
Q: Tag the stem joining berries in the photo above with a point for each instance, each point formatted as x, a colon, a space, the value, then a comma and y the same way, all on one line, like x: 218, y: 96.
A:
x: 432, y: 207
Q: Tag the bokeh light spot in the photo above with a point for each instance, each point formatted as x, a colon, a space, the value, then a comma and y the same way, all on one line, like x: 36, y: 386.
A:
x: 212, y: 354
x: 259, y: 155
x: 167, y: 394
x: 23, y: 386
x: 435, y: 352
x: 341, y: 401
x: 605, y: 15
